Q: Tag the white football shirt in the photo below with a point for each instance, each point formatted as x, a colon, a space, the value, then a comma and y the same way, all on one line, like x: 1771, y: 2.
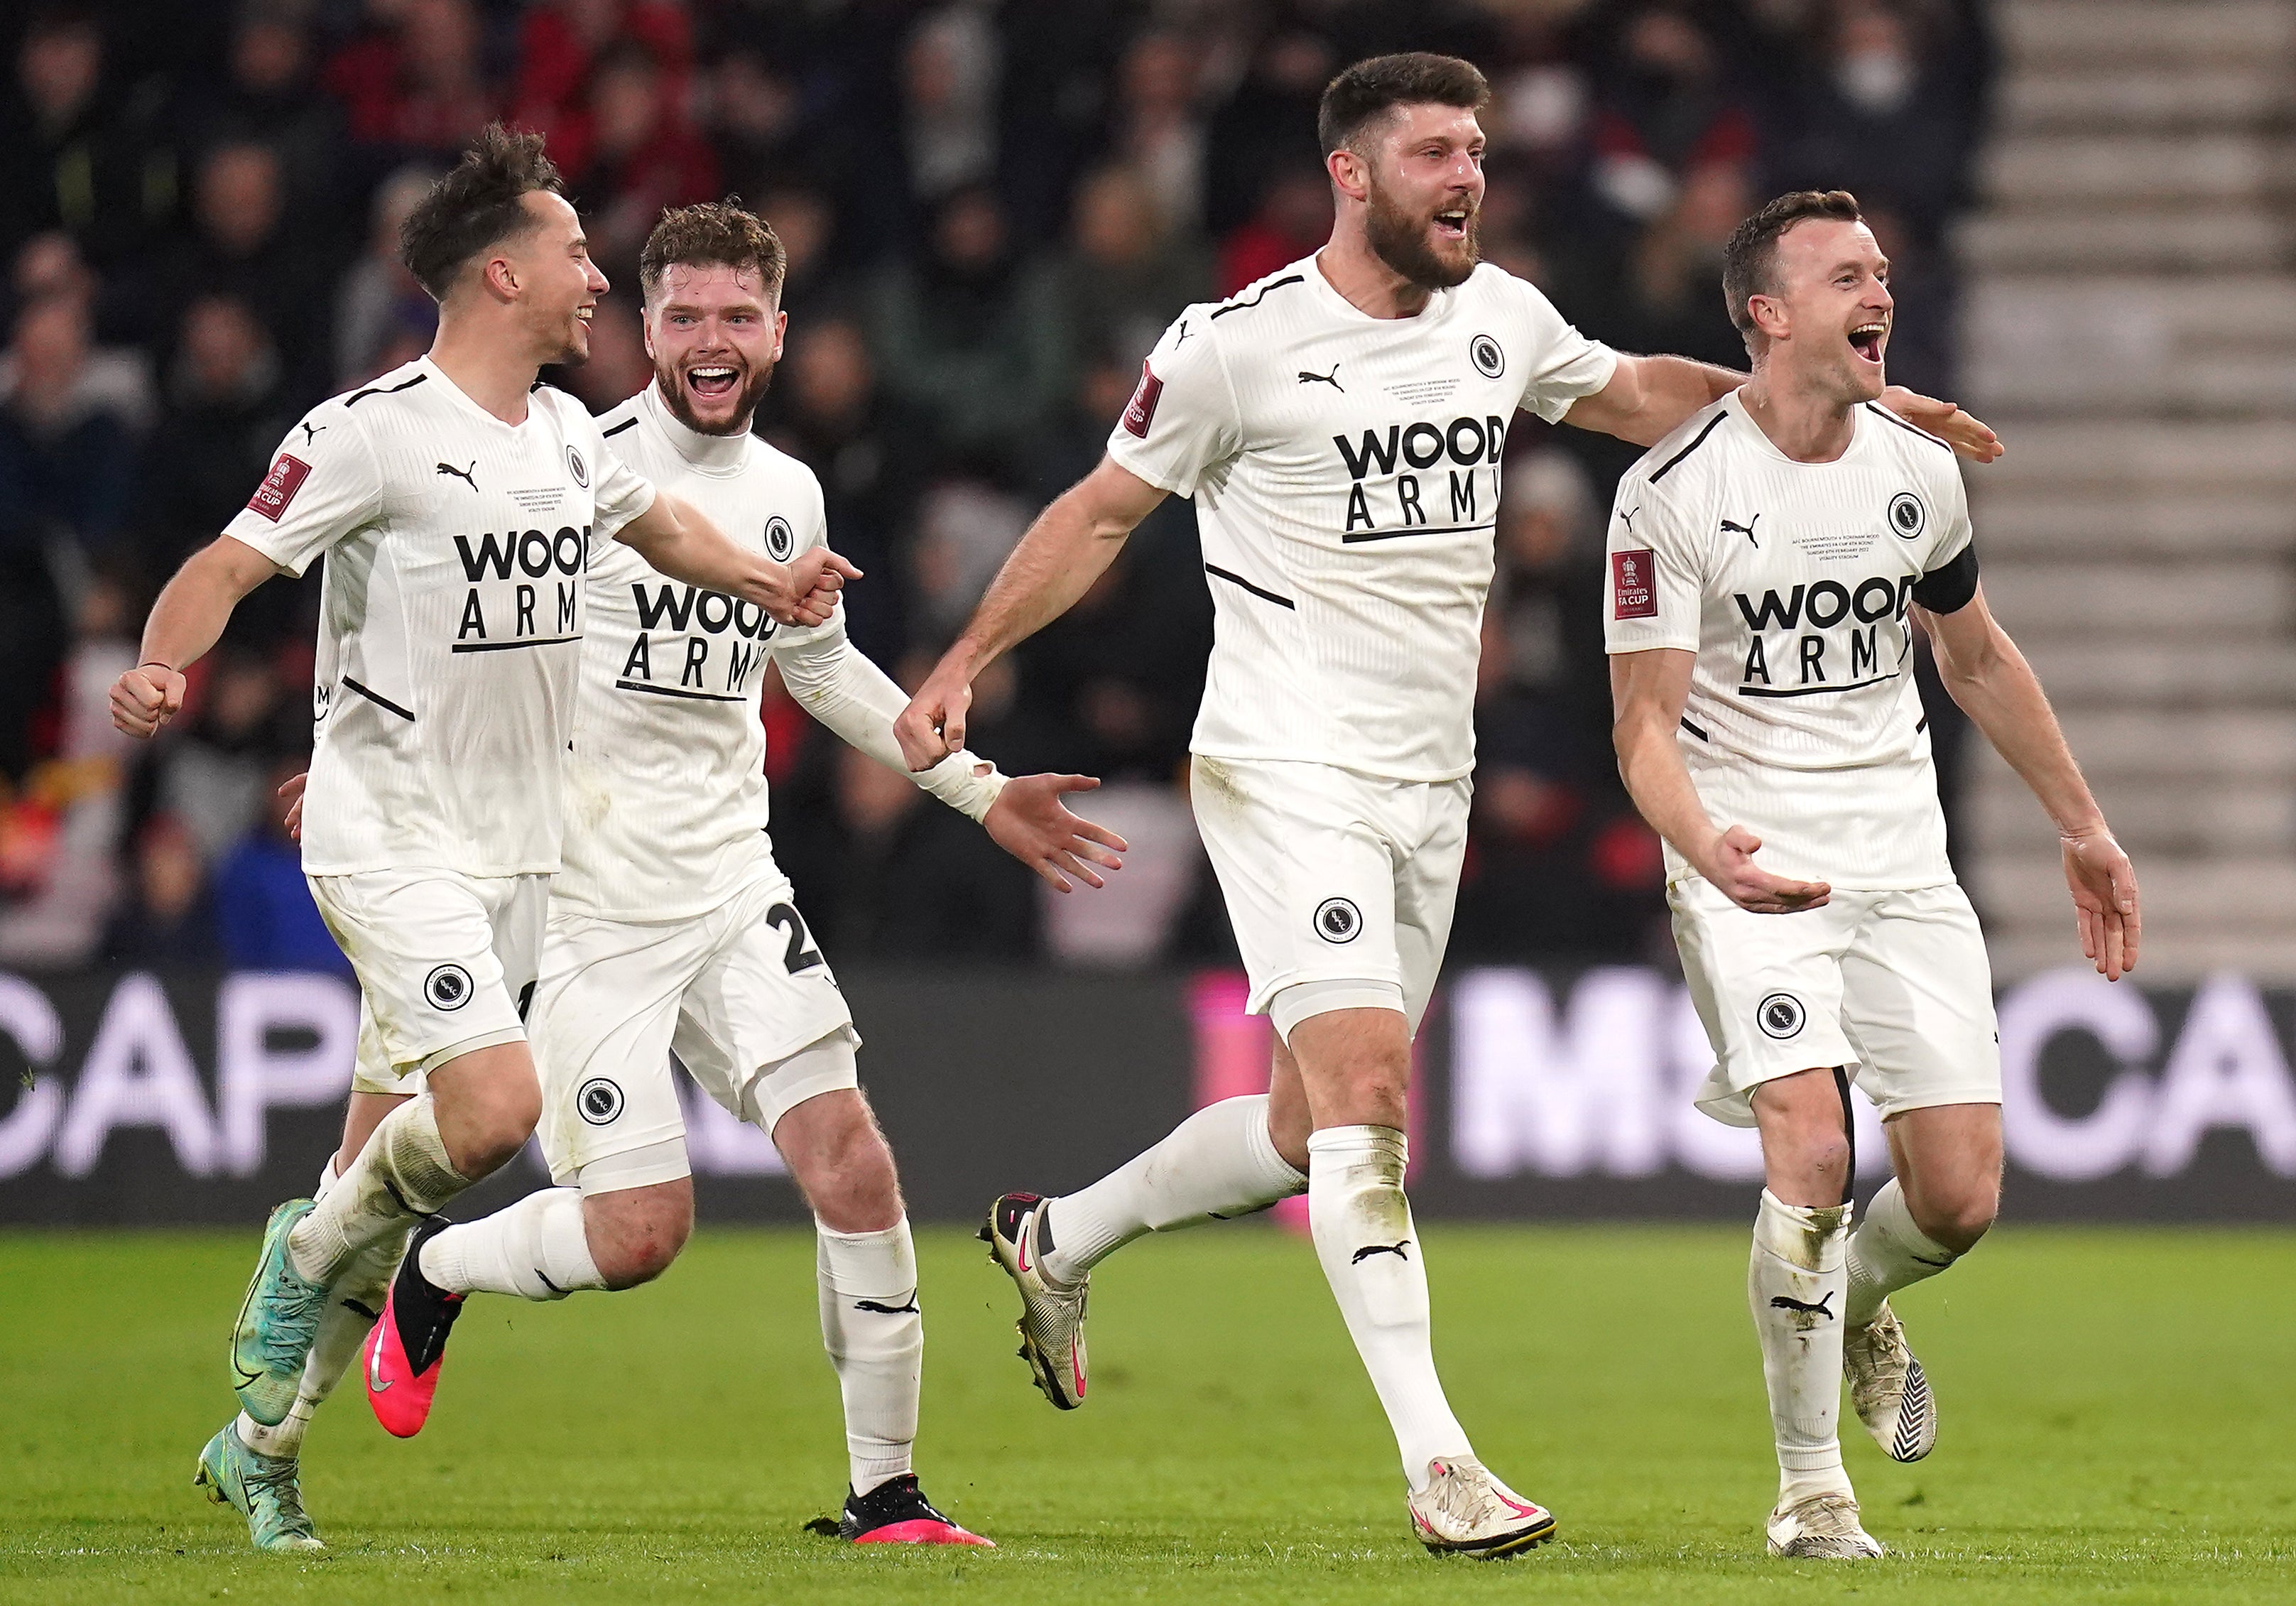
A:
x: 1346, y: 475
x: 1789, y: 581
x: 451, y: 616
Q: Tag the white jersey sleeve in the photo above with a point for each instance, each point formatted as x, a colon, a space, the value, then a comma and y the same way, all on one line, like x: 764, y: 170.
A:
x: 323, y: 485
x: 1656, y: 591
x: 1565, y: 365
x: 1183, y: 424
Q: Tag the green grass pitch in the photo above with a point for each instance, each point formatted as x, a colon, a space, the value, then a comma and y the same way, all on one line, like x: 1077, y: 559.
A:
x: 2116, y: 1426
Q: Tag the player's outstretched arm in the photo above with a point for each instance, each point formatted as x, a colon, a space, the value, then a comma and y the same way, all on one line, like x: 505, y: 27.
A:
x: 838, y: 684
x: 1648, y: 398
x: 677, y: 539
x: 1994, y: 685
x: 185, y: 621
x: 1070, y: 545
x: 1648, y: 692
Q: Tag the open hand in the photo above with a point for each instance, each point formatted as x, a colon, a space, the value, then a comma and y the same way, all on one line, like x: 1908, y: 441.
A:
x: 932, y: 726
x: 1731, y: 866
x: 146, y: 698
x: 1030, y: 822
x: 291, y: 793
x: 2103, y: 885
x: 1964, y: 432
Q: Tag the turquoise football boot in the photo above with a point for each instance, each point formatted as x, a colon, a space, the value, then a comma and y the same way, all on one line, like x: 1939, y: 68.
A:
x: 260, y: 1487
x: 277, y: 1322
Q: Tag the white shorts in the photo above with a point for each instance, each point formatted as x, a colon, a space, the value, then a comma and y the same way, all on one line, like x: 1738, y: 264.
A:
x: 1334, y: 877
x: 1893, y: 985
x: 734, y: 993
x: 445, y: 962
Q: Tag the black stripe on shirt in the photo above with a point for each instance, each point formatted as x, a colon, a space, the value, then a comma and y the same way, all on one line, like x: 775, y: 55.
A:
x: 1261, y: 592
x: 1694, y: 731
x: 1668, y: 466
x: 1221, y: 312
x: 537, y: 641
x: 1879, y: 410
x: 357, y: 397
x: 645, y: 685
x: 627, y: 423
x: 1414, y: 529
x: 379, y: 700
x: 1813, y: 691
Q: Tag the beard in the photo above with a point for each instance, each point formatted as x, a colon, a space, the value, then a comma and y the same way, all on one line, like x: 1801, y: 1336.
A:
x: 1400, y: 240
x: 754, y: 384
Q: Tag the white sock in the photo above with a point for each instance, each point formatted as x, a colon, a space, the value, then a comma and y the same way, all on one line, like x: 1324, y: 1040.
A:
x: 1371, y: 1256
x: 1797, y: 1282
x: 875, y: 1337
x: 1218, y: 1163
x: 537, y: 1249
x: 1889, y: 1252
x: 401, y: 1175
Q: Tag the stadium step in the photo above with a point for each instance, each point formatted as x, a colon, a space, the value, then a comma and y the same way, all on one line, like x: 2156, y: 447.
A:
x: 2222, y: 345
x: 2217, y: 597
x: 2160, y: 814
x: 2043, y: 38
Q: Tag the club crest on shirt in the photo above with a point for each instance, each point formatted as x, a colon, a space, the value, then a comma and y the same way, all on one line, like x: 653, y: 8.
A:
x: 1338, y: 920
x: 577, y: 468
x: 1906, y: 514
x: 779, y: 538
x: 1489, y: 356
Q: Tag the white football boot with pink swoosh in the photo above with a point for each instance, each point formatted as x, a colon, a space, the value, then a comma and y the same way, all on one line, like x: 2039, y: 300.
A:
x: 1052, y: 1314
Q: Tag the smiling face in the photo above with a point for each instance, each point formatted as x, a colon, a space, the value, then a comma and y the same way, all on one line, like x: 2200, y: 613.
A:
x: 1420, y: 177
x: 1827, y: 316
x: 714, y: 333
x: 557, y: 285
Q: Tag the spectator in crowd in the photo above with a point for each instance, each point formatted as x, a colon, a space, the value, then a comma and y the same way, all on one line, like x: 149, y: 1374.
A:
x: 1266, y: 130
x: 643, y: 155
x: 764, y: 142
x: 270, y: 96
x: 919, y: 880
x: 225, y: 414
x: 949, y: 77
x: 241, y: 246
x: 1292, y: 219
x: 812, y: 287
x: 70, y: 432
x: 168, y: 916
x: 830, y: 412
x: 1128, y: 273
x: 563, y: 44
x: 77, y: 153
x: 377, y: 299
x: 1666, y: 108
x: 213, y: 775
x: 1159, y: 130
x: 413, y: 83
x: 972, y: 336
x: 263, y: 907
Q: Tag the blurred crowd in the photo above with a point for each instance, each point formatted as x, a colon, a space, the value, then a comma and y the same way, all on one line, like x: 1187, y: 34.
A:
x: 991, y: 209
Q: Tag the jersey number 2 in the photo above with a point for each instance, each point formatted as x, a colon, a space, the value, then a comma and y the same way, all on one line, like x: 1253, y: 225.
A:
x: 799, y: 955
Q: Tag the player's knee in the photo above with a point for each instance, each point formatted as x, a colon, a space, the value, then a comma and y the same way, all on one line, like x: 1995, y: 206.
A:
x: 1958, y: 1222
x: 860, y: 1192
x: 636, y: 1245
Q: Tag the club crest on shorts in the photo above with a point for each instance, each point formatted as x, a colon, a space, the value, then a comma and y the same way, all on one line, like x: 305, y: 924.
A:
x: 1908, y: 515
x: 600, y: 1101
x: 1487, y: 355
x: 1338, y: 920
x: 779, y: 539
x: 447, y: 986
x: 577, y: 468
x: 1780, y: 1015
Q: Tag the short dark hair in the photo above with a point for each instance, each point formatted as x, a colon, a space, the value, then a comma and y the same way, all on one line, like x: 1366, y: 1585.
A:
x: 1369, y: 90
x: 475, y: 206
x: 1750, y: 260
x: 715, y: 234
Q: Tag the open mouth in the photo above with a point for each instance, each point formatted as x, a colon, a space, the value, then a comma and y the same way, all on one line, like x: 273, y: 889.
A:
x: 1866, y: 338
x: 711, y: 383
x: 1452, y: 224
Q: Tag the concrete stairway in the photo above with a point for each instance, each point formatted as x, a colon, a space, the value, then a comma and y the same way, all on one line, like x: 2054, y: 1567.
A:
x: 2131, y: 329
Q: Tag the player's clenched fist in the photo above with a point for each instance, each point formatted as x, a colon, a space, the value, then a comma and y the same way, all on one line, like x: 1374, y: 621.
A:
x: 815, y: 577
x: 146, y: 698
x: 932, y: 726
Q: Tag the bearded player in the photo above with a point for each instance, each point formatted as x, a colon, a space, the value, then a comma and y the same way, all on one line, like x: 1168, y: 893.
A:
x: 1340, y: 425
x: 671, y: 927
x: 1768, y: 562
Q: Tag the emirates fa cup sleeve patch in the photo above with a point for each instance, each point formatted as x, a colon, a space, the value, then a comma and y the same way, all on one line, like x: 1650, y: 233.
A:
x: 279, y: 486
x: 448, y: 988
x: 1634, y: 589
x: 1780, y: 1015
x: 1141, y: 411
